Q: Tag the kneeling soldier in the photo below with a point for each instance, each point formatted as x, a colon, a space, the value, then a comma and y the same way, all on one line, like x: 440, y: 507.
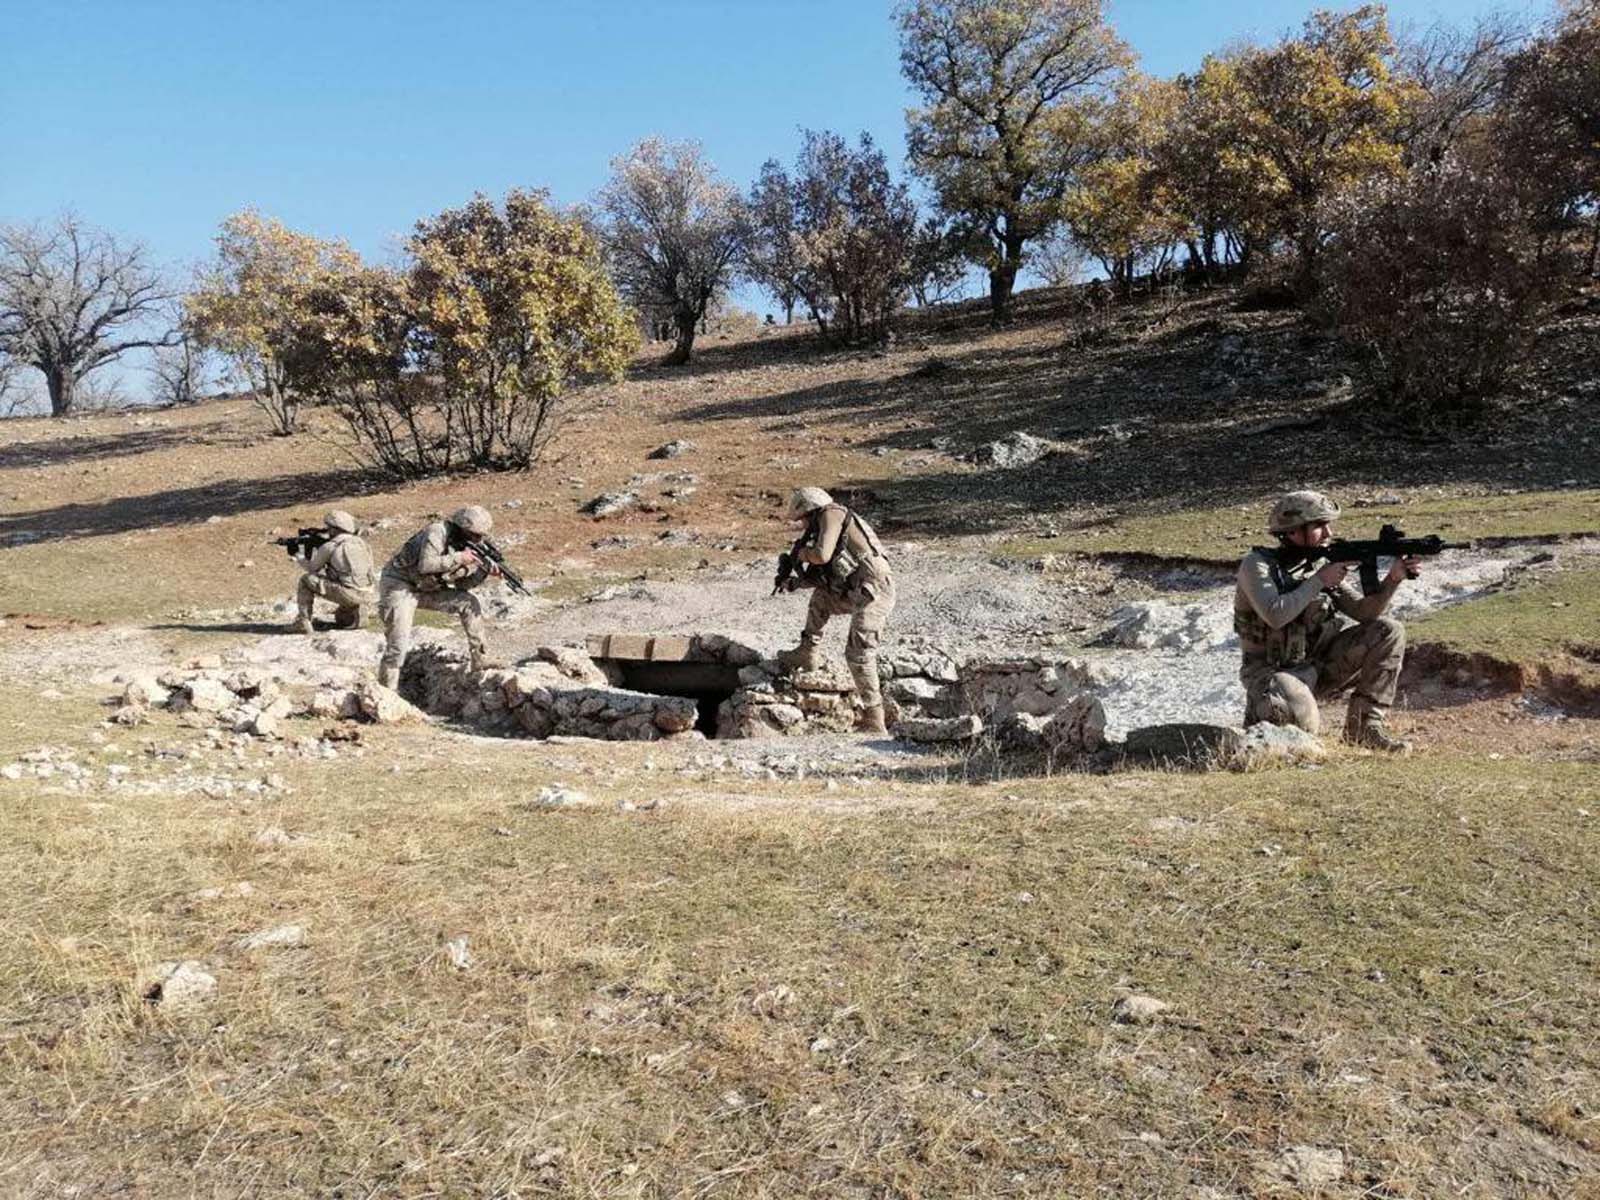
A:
x: 841, y: 559
x: 436, y: 569
x: 339, y: 570
x: 1306, y: 633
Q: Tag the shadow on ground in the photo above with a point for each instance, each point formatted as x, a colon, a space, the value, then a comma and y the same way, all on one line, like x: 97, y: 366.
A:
x: 86, y: 448
x: 187, y: 506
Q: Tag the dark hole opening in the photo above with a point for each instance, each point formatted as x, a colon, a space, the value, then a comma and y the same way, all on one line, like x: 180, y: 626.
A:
x: 707, y: 684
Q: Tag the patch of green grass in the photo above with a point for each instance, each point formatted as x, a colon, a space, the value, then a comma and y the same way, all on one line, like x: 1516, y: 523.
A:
x: 1538, y: 620
x: 1225, y: 534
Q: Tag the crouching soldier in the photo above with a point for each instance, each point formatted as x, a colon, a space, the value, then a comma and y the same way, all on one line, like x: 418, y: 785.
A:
x: 339, y: 570
x: 1306, y: 633
x: 436, y: 569
x: 839, y: 556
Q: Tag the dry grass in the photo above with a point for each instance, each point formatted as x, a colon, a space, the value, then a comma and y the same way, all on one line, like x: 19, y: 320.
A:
x: 1393, y: 961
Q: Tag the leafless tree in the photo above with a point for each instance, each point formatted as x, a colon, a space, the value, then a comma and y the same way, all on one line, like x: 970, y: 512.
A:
x: 12, y: 396
x: 673, y: 232
x: 1459, y: 72
x: 181, y: 372
x: 73, y: 299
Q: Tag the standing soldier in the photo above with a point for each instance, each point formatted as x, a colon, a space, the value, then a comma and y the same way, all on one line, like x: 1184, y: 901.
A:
x: 436, y: 569
x: 339, y: 570
x: 841, y: 559
x: 1306, y: 633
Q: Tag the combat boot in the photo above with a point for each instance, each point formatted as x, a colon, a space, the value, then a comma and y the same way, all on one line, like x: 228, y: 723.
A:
x: 804, y: 657
x: 1371, y: 735
x: 303, y: 625
x: 870, y: 722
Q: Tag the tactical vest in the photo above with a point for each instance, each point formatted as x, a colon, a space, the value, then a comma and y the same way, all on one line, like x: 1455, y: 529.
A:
x: 839, y: 570
x: 1290, y: 645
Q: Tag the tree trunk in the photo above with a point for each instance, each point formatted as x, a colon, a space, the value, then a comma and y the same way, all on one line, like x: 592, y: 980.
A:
x: 788, y: 312
x: 684, y: 345
x: 62, y: 383
x: 1594, y: 246
x: 1003, y: 278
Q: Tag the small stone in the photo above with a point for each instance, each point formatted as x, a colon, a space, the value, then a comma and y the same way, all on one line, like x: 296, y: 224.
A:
x: 822, y: 1044
x: 460, y: 956
x: 242, y: 888
x: 672, y: 449
x: 558, y: 795
x: 273, y: 836
x: 933, y: 729
x: 175, y: 986
x: 1135, y: 1009
x: 773, y: 1002
x: 1311, y: 1166
x: 283, y: 937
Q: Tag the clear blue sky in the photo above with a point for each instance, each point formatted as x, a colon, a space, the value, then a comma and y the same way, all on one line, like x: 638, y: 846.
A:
x: 352, y: 118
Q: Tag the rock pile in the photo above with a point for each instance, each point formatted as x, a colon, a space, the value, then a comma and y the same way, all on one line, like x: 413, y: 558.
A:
x: 249, y: 701
x: 558, y: 691
x: 772, y: 700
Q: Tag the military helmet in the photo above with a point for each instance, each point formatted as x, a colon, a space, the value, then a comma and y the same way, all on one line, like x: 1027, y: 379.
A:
x: 1292, y: 511
x: 806, y: 500
x: 473, y: 519
x: 339, y: 521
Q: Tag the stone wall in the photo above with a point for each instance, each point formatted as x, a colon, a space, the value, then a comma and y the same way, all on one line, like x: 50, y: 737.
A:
x: 558, y: 691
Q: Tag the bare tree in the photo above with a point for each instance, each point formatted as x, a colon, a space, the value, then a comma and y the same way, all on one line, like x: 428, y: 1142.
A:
x: 674, y: 232
x: 73, y: 299
x: 1459, y: 73
x: 12, y: 397
x: 180, y: 373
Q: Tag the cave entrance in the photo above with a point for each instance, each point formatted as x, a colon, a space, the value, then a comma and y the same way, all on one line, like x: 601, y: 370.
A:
x: 707, y: 684
x: 697, y: 668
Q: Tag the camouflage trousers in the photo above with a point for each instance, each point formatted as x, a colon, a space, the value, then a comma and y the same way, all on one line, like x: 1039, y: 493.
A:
x: 1364, y: 657
x: 397, y: 605
x: 867, y: 601
x: 352, y: 604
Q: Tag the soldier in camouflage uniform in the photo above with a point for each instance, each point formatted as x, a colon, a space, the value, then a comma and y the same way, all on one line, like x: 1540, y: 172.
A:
x: 842, y: 561
x: 436, y: 569
x: 339, y: 570
x: 1306, y: 633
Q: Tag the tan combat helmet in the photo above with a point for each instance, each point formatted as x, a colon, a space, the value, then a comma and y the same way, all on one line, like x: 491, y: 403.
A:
x: 806, y: 500
x: 339, y: 521
x: 1292, y: 511
x: 473, y: 519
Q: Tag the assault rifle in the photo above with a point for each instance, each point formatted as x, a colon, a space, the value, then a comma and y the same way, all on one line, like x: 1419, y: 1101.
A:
x: 305, y: 543
x: 789, y: 564
x: 490, y: 553
x: 1391, y: 542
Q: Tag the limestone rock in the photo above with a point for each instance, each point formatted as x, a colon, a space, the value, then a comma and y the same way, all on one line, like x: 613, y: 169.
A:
x: 1155, y: 624
x: 1264, y: 746
x: 146, y: 691
x: 1136, y: 1009
x: 933, y: 729
x: 609, y: 503
x: 1015, y: 449
x: 176, y: 986
x: 204, y: 695
x: 1188, y: 744
x: 283, y: 937
x: 1312, y: 1166
x: 673, y: 449
x: 384, y: 707
x: 459, y: 955
x: 1076, y: 727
